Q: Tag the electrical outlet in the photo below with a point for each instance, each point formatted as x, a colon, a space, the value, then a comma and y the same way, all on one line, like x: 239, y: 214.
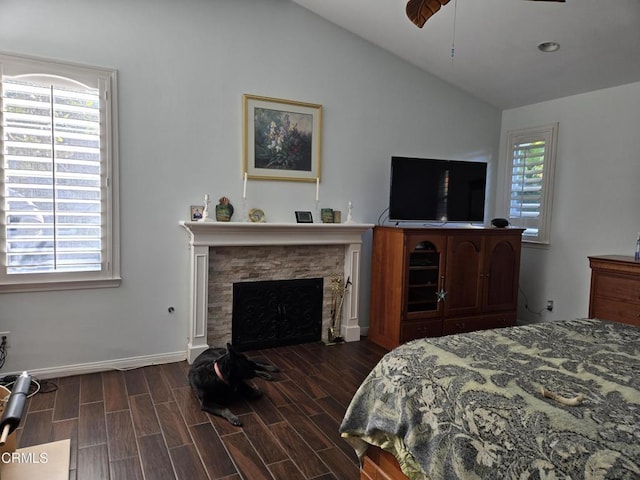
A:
x: 550, y: 305
x: 4, y: 338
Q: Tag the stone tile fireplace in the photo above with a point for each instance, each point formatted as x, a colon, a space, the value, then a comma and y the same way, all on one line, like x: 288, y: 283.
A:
x: 224, y: 253
x: 275, y: 313
x: 229, y: 265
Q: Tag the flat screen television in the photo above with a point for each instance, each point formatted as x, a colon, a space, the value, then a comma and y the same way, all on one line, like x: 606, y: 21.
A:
x: 433, y: 190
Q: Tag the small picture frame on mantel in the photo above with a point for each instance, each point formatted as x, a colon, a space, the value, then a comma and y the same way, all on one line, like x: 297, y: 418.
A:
x: 196, y: 212
x: 304, y: 217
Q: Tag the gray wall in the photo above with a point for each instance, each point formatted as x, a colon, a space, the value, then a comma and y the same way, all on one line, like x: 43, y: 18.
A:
x: 183, y: 67
x: 596, y: 208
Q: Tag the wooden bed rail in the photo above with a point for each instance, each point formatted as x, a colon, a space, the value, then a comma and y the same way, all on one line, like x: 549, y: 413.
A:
x: 380, y: 465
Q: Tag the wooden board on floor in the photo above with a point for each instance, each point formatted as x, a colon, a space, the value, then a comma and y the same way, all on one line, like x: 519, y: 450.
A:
x: 48, y: 460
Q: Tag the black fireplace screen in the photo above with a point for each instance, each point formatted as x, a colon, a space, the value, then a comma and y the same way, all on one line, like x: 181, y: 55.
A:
x: 275, y: 313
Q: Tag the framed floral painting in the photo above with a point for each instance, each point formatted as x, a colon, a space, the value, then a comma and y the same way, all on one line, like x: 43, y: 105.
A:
x: 281, y: 139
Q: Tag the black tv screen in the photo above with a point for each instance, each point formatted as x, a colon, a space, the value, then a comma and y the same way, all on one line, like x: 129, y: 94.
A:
x: 434, y: 190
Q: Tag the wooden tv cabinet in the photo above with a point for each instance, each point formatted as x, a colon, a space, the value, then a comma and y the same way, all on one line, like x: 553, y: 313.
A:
x: 428, y: 282
x: 615, y: 289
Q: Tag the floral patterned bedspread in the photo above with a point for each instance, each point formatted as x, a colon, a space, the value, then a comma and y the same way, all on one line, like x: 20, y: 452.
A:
x: 469, y: 406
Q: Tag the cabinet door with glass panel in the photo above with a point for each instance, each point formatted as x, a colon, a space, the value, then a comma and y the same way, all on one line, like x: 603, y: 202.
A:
x: 425, y: 257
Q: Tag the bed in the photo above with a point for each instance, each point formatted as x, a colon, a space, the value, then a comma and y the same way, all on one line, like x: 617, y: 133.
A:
x: 470, y: 406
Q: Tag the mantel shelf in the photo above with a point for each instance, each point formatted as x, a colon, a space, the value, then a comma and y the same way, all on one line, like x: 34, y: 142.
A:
x: 254, y: 234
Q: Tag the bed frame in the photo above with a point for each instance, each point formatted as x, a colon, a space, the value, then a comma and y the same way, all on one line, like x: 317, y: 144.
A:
x: 380, y: 465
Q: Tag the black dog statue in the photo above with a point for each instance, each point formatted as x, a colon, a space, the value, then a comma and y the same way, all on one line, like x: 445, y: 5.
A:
x: 218, y: 377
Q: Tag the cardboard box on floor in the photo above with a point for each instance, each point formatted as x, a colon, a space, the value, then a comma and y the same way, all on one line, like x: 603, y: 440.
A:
x: 48, y: 460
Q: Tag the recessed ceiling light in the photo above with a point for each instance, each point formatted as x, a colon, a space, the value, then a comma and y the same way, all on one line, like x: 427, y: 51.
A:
x: 548, y: 47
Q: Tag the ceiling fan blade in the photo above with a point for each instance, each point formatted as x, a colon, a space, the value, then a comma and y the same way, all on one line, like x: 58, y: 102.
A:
x: 419, y: 11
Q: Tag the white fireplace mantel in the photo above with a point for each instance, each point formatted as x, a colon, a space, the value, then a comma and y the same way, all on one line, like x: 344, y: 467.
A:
x: 204, y: 235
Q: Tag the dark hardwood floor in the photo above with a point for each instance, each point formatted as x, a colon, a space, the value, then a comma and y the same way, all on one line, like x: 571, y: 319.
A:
x: 147, y: 423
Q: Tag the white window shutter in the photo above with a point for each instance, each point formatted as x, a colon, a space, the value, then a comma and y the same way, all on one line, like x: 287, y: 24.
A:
x: 531, y: 159
x: 52, y: 177
x: 59, y: 200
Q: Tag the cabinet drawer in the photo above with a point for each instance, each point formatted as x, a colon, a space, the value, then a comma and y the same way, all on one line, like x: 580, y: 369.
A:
x: 617, y: 311
x: 617, y: 287
x: 485, y: 322
x: 425, y: 328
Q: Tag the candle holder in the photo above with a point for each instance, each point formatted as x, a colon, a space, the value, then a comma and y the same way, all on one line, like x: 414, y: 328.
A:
x: 205, y: 210
x: 245, y: 212
x: 349, y: 212
x: 317, y: 217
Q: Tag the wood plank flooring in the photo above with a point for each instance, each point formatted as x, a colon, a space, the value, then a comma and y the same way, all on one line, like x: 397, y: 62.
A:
x: 147, y: 424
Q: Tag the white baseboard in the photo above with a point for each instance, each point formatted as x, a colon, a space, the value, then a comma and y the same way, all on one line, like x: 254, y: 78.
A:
x: 118, y: 364
x: 350, y: 333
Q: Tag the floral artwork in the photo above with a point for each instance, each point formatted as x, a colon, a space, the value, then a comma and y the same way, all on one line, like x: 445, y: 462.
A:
x: 281, y: 139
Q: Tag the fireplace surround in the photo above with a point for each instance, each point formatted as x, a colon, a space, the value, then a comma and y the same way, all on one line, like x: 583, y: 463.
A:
x: 205, y: 237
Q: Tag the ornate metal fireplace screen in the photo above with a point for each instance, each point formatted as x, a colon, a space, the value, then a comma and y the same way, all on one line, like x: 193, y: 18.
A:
x: 276, y: 313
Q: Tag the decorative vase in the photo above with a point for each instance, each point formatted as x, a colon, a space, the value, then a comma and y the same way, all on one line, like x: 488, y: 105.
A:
x: 224, y: 210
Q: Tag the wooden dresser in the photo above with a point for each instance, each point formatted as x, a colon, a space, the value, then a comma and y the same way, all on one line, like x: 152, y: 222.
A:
x: 615, y: 289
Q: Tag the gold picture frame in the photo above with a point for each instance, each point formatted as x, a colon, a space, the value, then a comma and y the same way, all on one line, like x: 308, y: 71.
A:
x: 282, y: 139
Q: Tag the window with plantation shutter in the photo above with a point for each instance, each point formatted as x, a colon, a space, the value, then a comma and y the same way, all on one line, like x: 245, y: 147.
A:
x: 531, y: 155
x: 59, y: 202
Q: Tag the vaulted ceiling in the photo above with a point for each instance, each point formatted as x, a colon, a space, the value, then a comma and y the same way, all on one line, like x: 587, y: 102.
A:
x: 494, y: 42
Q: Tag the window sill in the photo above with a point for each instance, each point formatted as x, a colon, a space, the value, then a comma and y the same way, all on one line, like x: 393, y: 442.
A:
x: 59, y: 285
x: 535, y: 244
